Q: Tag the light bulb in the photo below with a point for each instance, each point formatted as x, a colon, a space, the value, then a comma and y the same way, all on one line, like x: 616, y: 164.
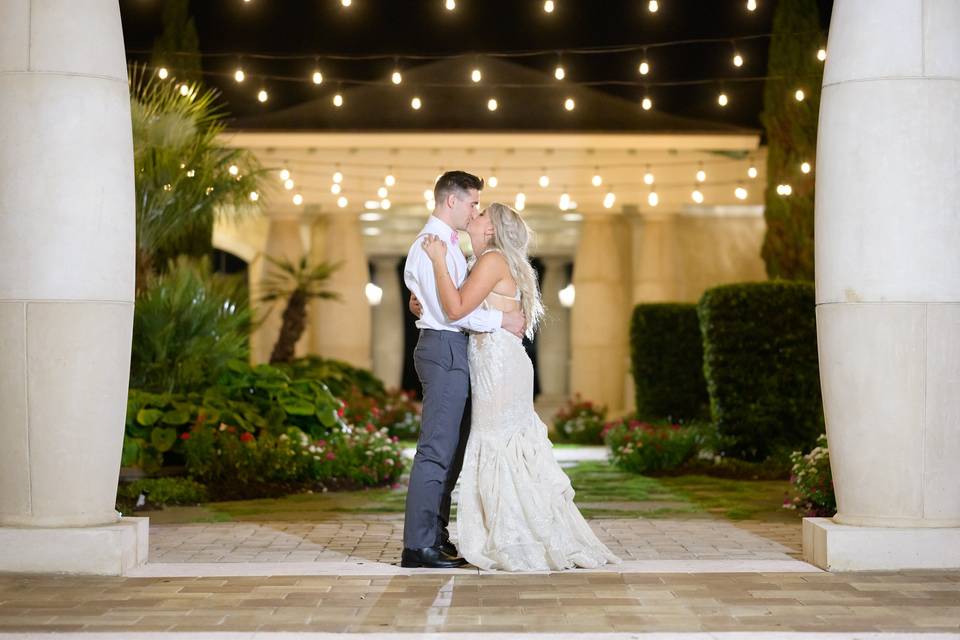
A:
x: 609, y: 199
x: 338, y: 100
x: 450, y: 5
x: 284, y: 174
x: 751, y: 5
x: 722, y: 99
x: 647, y: 104
x: 787, y: 189
x: 559, y: 73
x: 233, y: 170
x: 821, y: 54
x: 648, y: 178
x: 653, y: 199
x: 262, y: 95
x: 493, y: 182
x: 569, y: 104
x: 701, y: 175
x: 335, y: 188
x: 317, y: 77
x: 184, y: 90
x: 239, y: 75
x: 805, y: 167
x: 752, y: 172
x: 697, y: 196
x: 427, y: 194
x: 337, y: 177
x: 492, y: 104
x: 346, y: 3
x: 741, y: 193
x: 163, y: 73
x: 254, y: 196
x: 597, y: 180
x: 416, y: 103
x: 390, y: 180
x: 653, y: 6
x: 342, y: 202
x: 799, y: 95
x: 385, y: 204
x: 396, y: 78
x: 382, y: 192
x: 564, y: 201
x: 476, y: 76
x: 544, y: 181
x: 288, y: 184
x: 548, y: 6
x: 370, y: 204
x: 737, y: 60
x: 644, y: 68
x: 297, y: 199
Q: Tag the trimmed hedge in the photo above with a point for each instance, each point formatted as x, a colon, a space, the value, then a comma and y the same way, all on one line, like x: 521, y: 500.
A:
x: 760, y: 363
x: 666, y: 353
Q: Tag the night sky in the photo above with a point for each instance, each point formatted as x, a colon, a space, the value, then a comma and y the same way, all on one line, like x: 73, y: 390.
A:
x: 423, y: 27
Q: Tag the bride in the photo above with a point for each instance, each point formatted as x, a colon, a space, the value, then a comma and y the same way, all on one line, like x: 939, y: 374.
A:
x: 516, y: 510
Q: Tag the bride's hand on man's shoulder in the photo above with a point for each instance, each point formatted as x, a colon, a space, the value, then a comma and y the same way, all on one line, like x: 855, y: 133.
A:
x: 435, y: 248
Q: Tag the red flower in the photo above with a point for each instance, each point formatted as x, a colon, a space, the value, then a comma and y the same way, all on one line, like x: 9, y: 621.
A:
x: 394, y: 439
x: 184, y: 436
x: 246, y: 437
x: 370, y: 427
x: 331, y: 456
x: 321, y: 443
x: 341, y: 410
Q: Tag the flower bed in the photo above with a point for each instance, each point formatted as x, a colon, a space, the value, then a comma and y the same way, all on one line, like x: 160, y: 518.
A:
x: 579, y: 422
x: 812, y: 482
x: 646, y: 447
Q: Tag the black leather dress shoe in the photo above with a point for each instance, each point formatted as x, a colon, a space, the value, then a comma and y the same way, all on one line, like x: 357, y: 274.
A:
x: 429, y: 558
x: 447, y: 547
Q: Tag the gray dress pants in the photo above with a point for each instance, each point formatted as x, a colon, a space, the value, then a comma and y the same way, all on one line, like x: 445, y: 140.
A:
x: 441, y: 362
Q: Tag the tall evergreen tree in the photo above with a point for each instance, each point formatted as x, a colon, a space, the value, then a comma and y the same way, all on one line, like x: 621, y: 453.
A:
x: 178, y: 46
x: 791, y: 128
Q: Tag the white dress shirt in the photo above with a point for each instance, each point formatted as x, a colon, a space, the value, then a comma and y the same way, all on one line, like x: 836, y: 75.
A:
x: 419, y: 278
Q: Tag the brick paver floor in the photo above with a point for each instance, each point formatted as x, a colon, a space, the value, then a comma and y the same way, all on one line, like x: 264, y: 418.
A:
x: 570, y: 602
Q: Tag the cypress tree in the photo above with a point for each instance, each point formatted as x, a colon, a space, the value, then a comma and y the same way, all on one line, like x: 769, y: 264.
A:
x: 178, y: 46
x: 791, y: 130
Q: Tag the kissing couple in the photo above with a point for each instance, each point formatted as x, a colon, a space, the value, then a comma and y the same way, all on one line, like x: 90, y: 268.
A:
x: 515, y: 510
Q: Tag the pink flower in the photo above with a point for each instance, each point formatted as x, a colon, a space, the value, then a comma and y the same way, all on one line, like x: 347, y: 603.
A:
x: 331, y: 456
x: 321, y: 443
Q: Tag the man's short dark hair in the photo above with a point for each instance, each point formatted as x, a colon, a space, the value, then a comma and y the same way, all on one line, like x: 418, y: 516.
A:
x: 458, y: 182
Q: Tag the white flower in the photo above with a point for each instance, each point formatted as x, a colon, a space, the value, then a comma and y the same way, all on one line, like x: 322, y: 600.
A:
x: 369, y: 453
x: 388, y: 462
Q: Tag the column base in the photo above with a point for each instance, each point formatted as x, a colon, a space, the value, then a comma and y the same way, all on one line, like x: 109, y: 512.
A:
x: 108, y: 550
x: 838, y: 547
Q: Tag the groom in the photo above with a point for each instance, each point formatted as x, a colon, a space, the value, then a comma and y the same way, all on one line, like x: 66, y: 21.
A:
x: 441, y: 362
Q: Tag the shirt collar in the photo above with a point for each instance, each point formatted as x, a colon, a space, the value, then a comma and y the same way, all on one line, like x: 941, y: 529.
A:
x: 439, y: 227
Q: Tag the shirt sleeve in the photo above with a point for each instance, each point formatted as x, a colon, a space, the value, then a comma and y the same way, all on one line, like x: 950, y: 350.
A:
x: 479, y: 320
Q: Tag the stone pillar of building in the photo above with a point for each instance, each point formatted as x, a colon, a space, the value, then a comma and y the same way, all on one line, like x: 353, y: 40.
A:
x: 553, y: 341
x: 654, y: 268
x: 888, y: 285
x: 283, y: 243
x: 341, y: 328
x: 388, y: 323
x: 599, y: 318
x: 67, y: 217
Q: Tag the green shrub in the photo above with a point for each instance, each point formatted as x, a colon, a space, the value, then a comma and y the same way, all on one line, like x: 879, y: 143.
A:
x: 187, y: 326
x: 163, y: 491
x: 645, y: 447
x: 667, y: 362
x: 579, y: 422
x: 813, y: 482
x: 760, y: 363
x: 341, y: 378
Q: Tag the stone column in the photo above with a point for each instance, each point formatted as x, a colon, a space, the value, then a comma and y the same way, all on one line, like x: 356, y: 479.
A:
x: 598, y: 340
x: 283, y: 242
x: 388, y: 326
x: 888, y: 285
x: 553, y: 341
x: 66, y: 287
x: 653, y: 257
x: 341, y: 329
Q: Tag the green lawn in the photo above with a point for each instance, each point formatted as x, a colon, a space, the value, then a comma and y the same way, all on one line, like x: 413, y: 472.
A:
x: 602, y: 491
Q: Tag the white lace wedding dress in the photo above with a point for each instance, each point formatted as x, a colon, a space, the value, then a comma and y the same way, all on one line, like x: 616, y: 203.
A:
x: 515, y: 510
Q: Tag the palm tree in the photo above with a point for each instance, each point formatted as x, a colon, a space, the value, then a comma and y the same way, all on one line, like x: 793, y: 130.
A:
x: 297, y: 284
x: 184, y: 175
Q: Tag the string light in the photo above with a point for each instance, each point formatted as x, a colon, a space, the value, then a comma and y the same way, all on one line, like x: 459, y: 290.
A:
x: 297, y: 199
x: 476, y: 76
x: 697, y: 196
x: 569, y: 104
x: 653, y: 6
x: 559, y: 73
x: 652, y: 198
x: 520, y: 202
x: 740, y: 193
x: 385, y: 204
x: 284, y: 174
x: 317, y: 77
x: 492, y: 104
x: 544, y: 180
x: 390, y: 180
x: 262, y: 95
x: 337, y: 177
x: 450, y: 5
x: 737, y: 60
x: 382, y: 192
x: 184, y: 90
x: 805, y: 167
x: 338, y: 100
x: 163, y: 73
x: 370, y: 204
x: 646, y: 103
x: 722, y: 99
x: 751, y: 5
x: 799, y: 95
x: 548, y: 6
x: 597, y: 179
x: 609, y: 199
x: 752, y: 172
x: 342, y: 202
x: 396, y: 78
x: 346, y: 3
x: 288, y: 184
x: 564, y: 201
x: 416, y: 103
x: 239, y: 75
x: 254, y: 196
x: 644, y: 67
x: 234, y: 170
x: 492, y: 180
x: 648, y: 177
x: 701, y: 174
x: 784, y: 189
x: 427, y: 194
x: 335, y: 188
x: 821, y: 54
